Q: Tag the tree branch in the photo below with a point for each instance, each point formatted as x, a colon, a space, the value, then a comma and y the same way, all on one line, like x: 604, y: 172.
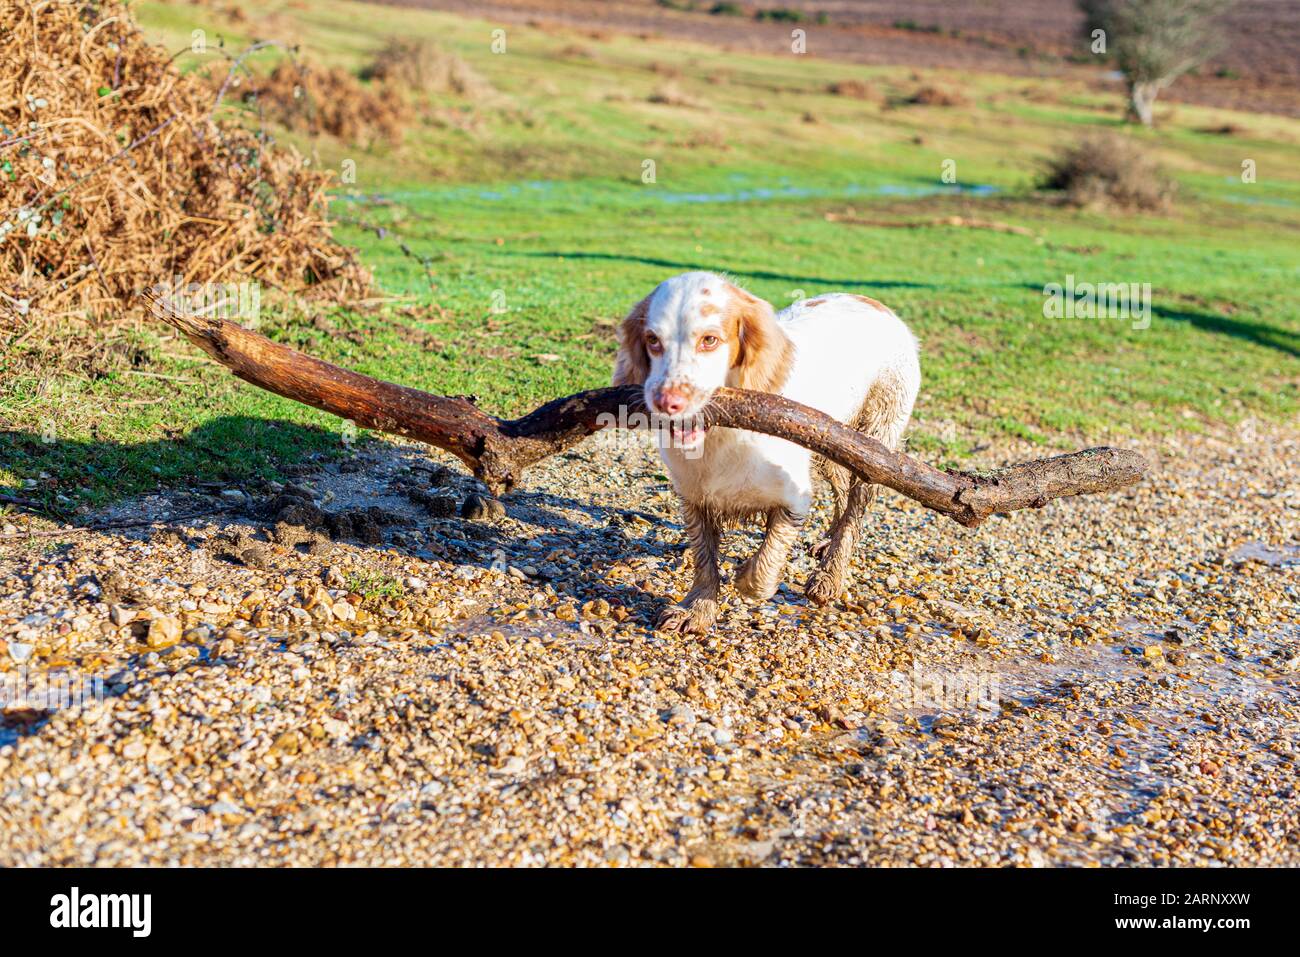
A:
x: 498, y: 451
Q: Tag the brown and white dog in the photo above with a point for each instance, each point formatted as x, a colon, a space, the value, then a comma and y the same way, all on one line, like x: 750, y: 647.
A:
x: 848, y: 356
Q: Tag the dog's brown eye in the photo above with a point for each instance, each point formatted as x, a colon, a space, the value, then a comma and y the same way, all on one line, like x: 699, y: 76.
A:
x: 652, y: 342
x: 709, y: 343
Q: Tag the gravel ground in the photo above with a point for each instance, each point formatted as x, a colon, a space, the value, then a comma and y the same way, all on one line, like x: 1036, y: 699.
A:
x: 346, y: 670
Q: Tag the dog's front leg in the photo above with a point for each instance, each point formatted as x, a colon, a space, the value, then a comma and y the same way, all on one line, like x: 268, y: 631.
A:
x: 760, y: 576
x: 699, y: 608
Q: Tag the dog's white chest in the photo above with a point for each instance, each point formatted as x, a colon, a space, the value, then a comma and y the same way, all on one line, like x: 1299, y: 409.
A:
x: 739, y: 472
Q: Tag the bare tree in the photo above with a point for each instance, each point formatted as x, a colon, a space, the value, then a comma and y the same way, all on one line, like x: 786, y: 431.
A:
x: 1152, y: 42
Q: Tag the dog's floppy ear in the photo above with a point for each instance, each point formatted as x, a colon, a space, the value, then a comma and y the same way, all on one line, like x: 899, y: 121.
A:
x: 764, y: 353
x: 632, y: 364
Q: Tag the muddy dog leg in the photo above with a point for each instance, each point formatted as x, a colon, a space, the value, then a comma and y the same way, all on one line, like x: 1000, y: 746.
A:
x: 838, y: 478
x: 699, y: 608
x: 883, y: 416
x: 825, y: 584
x: 760, y: 576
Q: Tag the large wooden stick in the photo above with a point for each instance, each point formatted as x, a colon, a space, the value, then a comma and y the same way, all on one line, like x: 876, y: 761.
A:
x: 498, y: 451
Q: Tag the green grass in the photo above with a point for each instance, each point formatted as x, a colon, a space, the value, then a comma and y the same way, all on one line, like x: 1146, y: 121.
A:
x: 372, y: 585
x: 532, y: 232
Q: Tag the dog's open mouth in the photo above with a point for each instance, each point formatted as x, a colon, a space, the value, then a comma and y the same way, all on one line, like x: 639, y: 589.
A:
x: 687, y: 435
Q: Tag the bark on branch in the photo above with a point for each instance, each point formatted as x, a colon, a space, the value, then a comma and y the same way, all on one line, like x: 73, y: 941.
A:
x: 498, y: 451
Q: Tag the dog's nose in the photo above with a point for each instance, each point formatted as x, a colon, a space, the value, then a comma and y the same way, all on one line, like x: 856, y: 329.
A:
x: 671, y: 401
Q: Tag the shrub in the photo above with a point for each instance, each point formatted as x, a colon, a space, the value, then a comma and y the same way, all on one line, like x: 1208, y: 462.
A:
x: 915, y: 27
x: 1109, y: 171
x: 331, y: 101
x: 670, y: 94
x: 934, y: 96
x: 424, y: 67
x: 853, y: 89
x: 780, y: 15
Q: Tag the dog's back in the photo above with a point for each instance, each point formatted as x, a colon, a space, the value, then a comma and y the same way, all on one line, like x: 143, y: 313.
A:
x: 851, y: 352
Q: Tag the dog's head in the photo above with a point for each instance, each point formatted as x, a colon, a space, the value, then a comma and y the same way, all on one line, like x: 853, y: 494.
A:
x: 693, y: 335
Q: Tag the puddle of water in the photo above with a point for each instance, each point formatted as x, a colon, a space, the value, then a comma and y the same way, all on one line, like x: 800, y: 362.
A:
x: 1134, y: 724
x: 1260, y: 200
x: 28, y: 696
x: 579, y: 634
x: 587, y: 194
x: 1278, y: 556
x: 844, y: 192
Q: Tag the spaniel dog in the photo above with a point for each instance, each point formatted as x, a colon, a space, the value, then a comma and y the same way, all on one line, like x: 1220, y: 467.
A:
x: 848, y: 356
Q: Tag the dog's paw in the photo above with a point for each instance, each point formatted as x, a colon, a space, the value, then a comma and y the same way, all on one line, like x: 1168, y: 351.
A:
x: 822, y: 588
x: 819, y: 550
x: 748, y: 584
x: 693, y: 619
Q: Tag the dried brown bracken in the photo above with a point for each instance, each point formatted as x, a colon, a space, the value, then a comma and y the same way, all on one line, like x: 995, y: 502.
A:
x: 853, y: 89
x: 115, y: 176
x: 331, y: 100
x: 421, y: 66
x: 936, y: 96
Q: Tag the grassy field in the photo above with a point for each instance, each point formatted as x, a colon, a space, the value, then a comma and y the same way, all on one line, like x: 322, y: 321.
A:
x: 530, y: 230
